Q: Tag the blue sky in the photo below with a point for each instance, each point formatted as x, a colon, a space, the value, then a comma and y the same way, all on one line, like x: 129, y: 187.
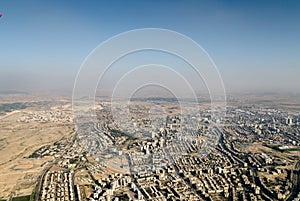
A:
x: 255, y: 44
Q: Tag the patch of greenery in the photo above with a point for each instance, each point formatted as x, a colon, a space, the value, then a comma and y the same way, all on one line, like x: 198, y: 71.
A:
x: 32, y: 196
x: 38, y: 153
x: 292, y: 149
x: 274, y: 147
x: 22, y: 198
x: 118, y: 133
x: 123, y: 197
x: 9, y: 107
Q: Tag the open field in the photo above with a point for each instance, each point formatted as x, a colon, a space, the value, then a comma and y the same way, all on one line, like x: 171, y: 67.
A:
x: 19, y: 139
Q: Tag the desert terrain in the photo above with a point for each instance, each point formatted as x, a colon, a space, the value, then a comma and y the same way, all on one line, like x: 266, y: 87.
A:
x: 23, y: 130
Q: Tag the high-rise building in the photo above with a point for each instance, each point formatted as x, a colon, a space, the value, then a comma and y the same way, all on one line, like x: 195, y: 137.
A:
x: 289, y: 121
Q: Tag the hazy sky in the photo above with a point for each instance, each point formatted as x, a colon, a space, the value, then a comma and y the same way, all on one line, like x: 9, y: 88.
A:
x: 255, y: 44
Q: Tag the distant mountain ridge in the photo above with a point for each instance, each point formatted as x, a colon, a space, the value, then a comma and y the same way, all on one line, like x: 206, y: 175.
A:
x: 12, y: 92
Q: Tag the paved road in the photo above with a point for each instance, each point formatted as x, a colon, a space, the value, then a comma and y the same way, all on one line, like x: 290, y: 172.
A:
x: 38, y: 188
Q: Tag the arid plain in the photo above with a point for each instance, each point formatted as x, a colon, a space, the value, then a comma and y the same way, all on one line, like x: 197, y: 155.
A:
x: 26, y: 126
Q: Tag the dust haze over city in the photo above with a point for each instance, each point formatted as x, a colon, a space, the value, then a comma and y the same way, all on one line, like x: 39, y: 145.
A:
x: 149, y: 100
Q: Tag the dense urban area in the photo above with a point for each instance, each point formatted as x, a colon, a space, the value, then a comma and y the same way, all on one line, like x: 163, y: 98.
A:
x: 250, y: 153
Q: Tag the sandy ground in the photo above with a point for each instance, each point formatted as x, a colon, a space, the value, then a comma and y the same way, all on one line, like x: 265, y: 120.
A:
x: 18, y: 140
